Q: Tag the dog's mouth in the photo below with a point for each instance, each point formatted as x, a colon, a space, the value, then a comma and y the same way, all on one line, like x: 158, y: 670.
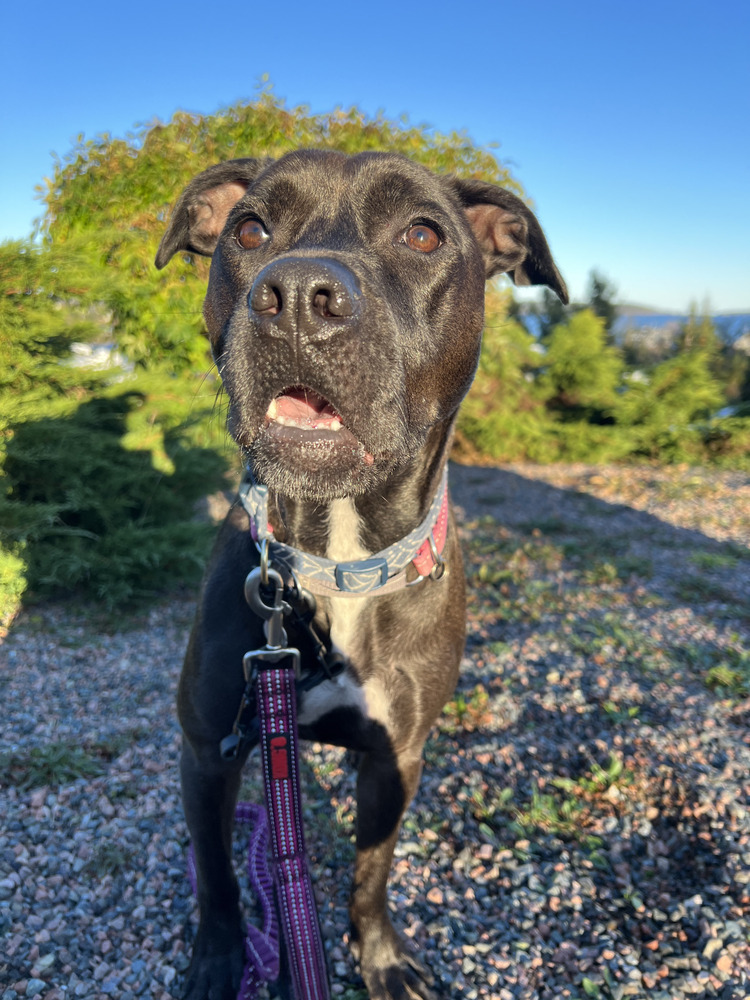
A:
x: 304, y: 409
x: 303, y: 417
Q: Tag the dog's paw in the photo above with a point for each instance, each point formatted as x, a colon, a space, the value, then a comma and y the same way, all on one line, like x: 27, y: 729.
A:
x: 214, y: 975
x: 405, y: 979
x: 391, y: 973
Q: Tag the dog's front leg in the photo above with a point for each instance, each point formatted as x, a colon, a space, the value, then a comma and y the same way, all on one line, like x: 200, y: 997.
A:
x: 209, y: 796
x: 385, y: 786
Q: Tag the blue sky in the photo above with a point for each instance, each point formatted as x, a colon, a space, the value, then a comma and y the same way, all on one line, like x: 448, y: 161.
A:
x: 628, y: 123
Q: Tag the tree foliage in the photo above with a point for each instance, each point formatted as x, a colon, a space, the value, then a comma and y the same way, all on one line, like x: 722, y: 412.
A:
x: 601, y: 297
x: 120, y: 192
x: 101, y: 468
x: 582, y: 373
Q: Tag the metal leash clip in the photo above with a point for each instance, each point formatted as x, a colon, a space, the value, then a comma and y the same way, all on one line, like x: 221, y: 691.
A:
x: 276, y: 649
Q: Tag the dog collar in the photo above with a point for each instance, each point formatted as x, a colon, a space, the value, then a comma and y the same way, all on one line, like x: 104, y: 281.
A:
x: 379, y: 574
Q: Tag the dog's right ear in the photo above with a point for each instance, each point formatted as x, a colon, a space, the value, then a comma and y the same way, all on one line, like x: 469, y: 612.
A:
x: 201, y: 212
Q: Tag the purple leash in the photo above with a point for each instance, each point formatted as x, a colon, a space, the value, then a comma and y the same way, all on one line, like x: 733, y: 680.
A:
x: 277, y: 711
x: 273, y: 670
x: 261, y: 944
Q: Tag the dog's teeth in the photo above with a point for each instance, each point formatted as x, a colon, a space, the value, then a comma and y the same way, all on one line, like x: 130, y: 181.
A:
x: 272, y: 410
x: 335, y: 425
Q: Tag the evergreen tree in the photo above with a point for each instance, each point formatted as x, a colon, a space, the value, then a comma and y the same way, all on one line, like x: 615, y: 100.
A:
x: 582, y: 372
x: 601, y: 296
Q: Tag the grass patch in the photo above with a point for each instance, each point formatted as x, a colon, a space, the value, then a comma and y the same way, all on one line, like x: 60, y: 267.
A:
x: 709, y: 561
x: 60, y: 763
x: 698, y: 590
x: 52, y: 764
x: 109, y: 859
x: 468, y: 711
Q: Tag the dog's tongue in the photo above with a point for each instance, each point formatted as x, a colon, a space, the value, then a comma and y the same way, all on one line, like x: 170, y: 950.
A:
x: 304, y: 408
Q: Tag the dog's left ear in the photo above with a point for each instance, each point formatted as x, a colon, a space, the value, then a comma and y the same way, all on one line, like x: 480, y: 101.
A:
x: 509, y: 235
x: 202, y: 209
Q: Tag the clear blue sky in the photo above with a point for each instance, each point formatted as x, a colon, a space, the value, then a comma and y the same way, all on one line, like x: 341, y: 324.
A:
x: 626, y: 121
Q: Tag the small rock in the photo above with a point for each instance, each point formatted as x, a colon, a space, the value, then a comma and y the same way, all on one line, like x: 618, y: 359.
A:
x: 724, y: 962
x: 713, y: 945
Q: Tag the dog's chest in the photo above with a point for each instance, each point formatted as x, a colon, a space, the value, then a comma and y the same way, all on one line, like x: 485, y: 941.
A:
x: 345, y: 616
x: 344, y: 546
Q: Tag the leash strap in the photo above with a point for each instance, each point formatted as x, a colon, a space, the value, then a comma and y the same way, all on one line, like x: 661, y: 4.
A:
x: 277, y: 710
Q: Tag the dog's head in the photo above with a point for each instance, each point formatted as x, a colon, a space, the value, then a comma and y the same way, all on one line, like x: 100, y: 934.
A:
x: 345, y: 304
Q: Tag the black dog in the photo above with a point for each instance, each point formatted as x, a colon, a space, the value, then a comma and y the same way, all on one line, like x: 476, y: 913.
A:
x: 345, y: 309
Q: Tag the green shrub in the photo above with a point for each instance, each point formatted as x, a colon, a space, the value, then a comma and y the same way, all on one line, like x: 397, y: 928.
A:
x: 113, y: 196
x: 581, y: 371
x: 100, y: 468
x: 100, y: 494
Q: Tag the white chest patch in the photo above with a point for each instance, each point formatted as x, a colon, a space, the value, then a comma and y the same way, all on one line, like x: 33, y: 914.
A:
x: 344, y: 546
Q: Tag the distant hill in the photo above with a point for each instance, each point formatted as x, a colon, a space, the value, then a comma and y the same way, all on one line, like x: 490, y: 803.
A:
x: 731, y: 327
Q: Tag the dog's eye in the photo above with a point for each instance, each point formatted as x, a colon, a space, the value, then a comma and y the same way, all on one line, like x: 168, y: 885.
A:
x: 251, y: 234
x: 422, y: 238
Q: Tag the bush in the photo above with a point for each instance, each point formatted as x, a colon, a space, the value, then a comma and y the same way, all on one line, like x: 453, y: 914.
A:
x: 581, y: 372
x: 100, y: 494
x: 101, y: 468
x: 114, y: 195
x: 503, y: 418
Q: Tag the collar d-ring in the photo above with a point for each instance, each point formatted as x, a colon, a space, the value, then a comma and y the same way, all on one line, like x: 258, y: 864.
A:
x: 438, y: 570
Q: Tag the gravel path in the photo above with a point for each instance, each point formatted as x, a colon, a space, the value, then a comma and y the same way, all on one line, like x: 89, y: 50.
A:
x: 583, y: 824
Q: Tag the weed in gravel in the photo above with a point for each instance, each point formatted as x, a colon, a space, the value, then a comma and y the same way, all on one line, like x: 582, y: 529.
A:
x: 699, y: 590
x: 468, y: 711
x: 726, y: 670
x: 619, y: 715
x: 493, y: 810
x: 550, y: 815
x: 611, y: 638
x: 632, y: 565
x: 599, y: 782
x: 601, y: 574
x: 52, y: 764
x: 709, y: 561
x: 731, y: 675
x: 109, y: 859
x: 114, y: 744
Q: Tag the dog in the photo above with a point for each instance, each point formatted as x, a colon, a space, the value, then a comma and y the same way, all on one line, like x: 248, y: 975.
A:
x: 344, y: 309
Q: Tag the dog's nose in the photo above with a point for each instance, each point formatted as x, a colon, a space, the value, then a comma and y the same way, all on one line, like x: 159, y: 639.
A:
x: 305, y: 295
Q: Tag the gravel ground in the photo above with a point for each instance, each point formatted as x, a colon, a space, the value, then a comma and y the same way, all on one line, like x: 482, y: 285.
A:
x: 583, y: 824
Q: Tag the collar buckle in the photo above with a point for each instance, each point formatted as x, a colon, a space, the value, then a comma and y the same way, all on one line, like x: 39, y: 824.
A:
x: 361, y: 576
